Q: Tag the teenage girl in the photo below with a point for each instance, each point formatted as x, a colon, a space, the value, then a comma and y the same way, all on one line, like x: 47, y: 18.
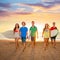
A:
x: 16, y: 34
x: 46, y: 35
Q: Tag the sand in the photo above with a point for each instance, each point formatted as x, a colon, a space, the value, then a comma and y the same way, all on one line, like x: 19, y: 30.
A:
x: 8, y: 51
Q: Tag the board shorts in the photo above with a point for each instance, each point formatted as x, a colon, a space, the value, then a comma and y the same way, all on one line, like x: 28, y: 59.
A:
x: 33, y: 38
x: 53, y: 38
x: 23, y: 39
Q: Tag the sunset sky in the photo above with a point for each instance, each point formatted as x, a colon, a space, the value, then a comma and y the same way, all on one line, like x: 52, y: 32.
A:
x: 41, y: 11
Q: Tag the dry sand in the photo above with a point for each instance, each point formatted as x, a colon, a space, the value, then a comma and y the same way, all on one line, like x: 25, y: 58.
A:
x: 8, y: 51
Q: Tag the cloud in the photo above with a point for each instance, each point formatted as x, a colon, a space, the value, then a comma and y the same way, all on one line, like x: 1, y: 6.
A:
x: 4, y: 9
x: 39, y: 9
x: 57, y: 1
x: 4, y: 13
x: 43, y: 3
x: 29, y: 8
x: 19, y: 11
x: 22, y: 13
x: 25, y: 9
x: 5, y: 5
x: 55, y: 9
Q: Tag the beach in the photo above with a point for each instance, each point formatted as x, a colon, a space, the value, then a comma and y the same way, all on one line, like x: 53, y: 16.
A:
x: 41, y: 12
x: 8, y: 51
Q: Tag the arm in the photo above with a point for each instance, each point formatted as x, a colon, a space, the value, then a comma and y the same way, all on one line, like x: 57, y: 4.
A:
x: 37, y: 33
x: 30, y: 32
x: 57, y: 30
x: 42, y: 32
x: 20, y: 33
x: 50, y: 33
x: 27, y: 35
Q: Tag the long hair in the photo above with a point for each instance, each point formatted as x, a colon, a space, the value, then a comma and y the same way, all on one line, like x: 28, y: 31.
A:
x: 15, y: 26
x: 45, y: 26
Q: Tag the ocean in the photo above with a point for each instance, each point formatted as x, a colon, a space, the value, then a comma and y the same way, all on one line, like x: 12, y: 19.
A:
x: 8, y: 35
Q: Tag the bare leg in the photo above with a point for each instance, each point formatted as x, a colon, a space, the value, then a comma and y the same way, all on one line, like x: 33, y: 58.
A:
x: 45, y: 43
x: 32, y: 43
x: 16, y: 43
x: 24, y: 46
x: 54, y: 43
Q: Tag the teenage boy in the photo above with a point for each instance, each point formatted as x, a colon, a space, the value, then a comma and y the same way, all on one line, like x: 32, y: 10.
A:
x: 33, y: 33
x: 23, y: 33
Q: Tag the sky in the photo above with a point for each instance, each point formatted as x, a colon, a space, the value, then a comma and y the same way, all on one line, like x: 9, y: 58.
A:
x: 9, y: 7
x: 41, y: 11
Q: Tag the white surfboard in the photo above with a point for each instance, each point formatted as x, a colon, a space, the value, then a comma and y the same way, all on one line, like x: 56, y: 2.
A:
x: 54, y: 33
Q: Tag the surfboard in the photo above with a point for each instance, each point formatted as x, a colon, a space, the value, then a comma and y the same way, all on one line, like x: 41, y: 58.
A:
x: 54, y: 32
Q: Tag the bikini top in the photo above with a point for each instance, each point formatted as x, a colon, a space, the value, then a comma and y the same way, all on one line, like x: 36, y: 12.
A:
x: 16, y: 31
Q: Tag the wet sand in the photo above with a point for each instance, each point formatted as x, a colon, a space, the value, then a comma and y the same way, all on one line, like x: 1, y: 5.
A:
x: 8, y: 51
